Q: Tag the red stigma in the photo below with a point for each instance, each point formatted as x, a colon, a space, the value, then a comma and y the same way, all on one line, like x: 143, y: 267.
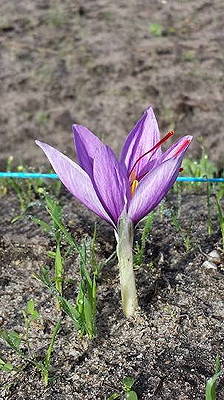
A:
x: 182, y: 147
x: 168, y: 135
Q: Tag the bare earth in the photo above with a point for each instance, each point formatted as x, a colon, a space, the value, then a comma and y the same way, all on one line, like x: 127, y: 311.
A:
x: 96, y: 63
x: 171, y: 345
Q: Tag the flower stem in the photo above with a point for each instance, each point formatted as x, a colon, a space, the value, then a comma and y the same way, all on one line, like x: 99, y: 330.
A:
x: 124, y: 238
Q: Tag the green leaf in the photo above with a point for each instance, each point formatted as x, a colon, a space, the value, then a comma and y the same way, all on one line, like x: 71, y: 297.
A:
x: 12, y: 338
x: 44, y: 277
x: 80, y: 300
x: 156, y: 29
x: 17, y: 218
x: 140, y: 248
x: 70, y: 310
x: 211, y: 387
x: 59, y: 269
x: 85, y: 276
x: 218, y: 365
x: 128, y: 383
x: 45, y: 366
x: 55, y: 331
x: 212, y: 382
x: 89, y: 317
x: 44, y: 225
x: 94, y: 293
x: 131, y: 395
x: 31, y: 310
x: 55, y: 212
x: 114, y: 396
x: 6, y: 367
x: 51, y: 254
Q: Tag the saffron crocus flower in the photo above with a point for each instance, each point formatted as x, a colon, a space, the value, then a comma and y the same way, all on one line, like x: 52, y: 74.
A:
x: 121, y: 191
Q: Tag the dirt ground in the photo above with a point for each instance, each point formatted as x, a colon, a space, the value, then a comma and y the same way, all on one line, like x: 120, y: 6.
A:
x: 171, y: 345
x: 99, y: 64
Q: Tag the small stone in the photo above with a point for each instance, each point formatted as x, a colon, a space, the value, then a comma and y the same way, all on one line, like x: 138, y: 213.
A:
x: 209, y: 265
x: 214, y: 257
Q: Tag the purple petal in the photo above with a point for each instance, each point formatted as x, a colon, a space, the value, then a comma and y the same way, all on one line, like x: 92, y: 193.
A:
x: 86, y: 144
x: 75, y: 180
x: 110, y: 182
x: 141, y: 139
x: 152, y: 188
x: 177, y: 148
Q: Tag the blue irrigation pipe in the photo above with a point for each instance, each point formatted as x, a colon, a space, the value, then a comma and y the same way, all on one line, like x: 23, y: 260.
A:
x: 35, y: 175
x: 27, y: 175
x: 191, y: 179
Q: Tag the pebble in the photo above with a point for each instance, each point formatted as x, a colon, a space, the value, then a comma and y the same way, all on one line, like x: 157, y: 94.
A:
x: 209, y: 265
x: 214, y: 257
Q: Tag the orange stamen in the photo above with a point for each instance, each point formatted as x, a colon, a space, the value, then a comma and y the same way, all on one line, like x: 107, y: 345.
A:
x: 168, y: 135
x: 133, y: 187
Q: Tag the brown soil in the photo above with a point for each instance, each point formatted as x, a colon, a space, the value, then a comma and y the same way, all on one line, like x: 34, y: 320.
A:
x: 170, y: 346
x: 96, y: 63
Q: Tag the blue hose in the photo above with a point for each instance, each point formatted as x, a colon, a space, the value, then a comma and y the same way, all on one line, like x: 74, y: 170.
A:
x: 35, y: 175
x: 191, y: 179
x: 26, y: 175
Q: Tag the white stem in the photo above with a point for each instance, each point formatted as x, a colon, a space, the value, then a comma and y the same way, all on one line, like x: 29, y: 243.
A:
x: 124, y: 238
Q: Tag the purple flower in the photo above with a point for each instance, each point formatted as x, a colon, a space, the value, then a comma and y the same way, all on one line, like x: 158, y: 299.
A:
x: 134, y: 184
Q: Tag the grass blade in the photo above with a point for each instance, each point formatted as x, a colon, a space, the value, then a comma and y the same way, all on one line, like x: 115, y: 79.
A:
x: 211, y: 385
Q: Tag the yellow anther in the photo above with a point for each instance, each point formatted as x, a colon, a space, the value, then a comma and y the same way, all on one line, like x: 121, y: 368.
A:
x: 134, y: 186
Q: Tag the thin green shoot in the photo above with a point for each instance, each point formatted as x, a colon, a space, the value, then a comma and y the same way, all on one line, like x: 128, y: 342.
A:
x: 86, y: 298
x: 20, y: 343
x: 60, y: 233
x: 13, y: 339
x: 45, y: 278
x: 114, y: 396
x: 187, y: 242
x: 211, y: 385
x: 55, y: 212
x: 27, y: 190
x: 83, y: 311
x: 183, y: 233
x: 208, y: 195
x: 58, y: 270
x: 198, y: 169
x: 175, y: 220
x: 156, y: 29
x: 128, y: 393
x: 95, y: 265
x: 127, y: 385
x: 30, y: 314
x: 140, y: 247
x: 6, y: 367
x: 45, y: 366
